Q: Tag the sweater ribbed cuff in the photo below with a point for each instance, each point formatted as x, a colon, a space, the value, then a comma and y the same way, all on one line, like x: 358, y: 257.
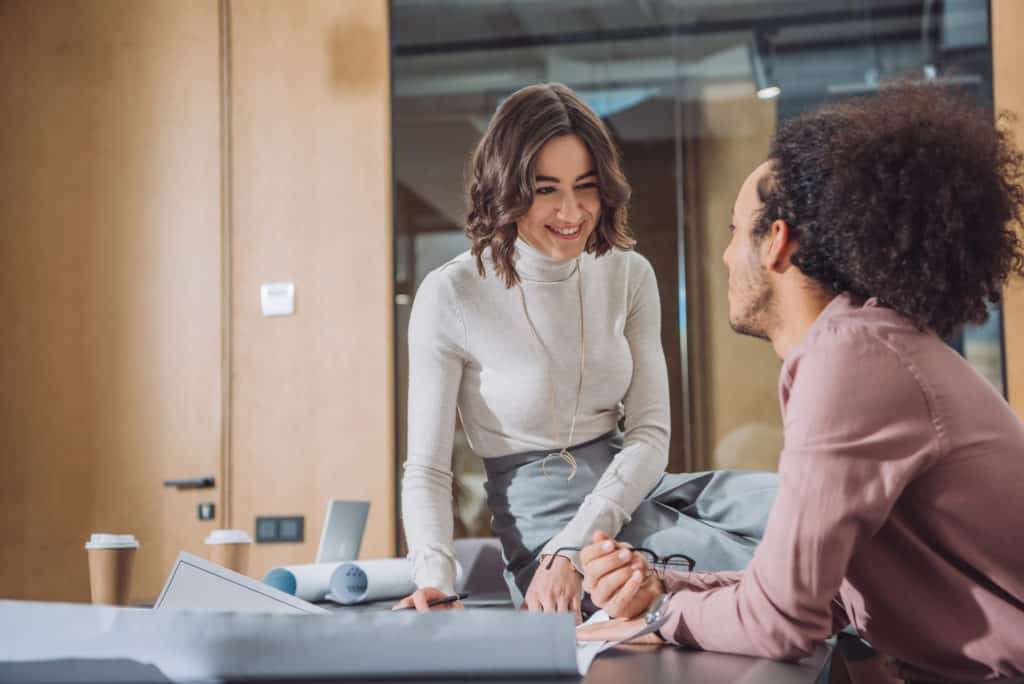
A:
x: 433, y: 569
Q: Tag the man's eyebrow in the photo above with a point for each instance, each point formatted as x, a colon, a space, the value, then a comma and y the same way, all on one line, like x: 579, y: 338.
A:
x: 552, y: 179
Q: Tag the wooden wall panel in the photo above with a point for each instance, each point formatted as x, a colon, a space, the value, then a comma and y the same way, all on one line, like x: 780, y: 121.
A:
x: 312, y: 411
x: 109, y: 267
x: 1008, y: 76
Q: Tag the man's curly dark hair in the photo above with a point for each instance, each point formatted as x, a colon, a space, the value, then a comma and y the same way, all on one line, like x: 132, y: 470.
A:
x: 913, y: 196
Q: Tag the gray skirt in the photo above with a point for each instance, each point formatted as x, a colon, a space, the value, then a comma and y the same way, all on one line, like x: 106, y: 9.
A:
x: 717, y: 517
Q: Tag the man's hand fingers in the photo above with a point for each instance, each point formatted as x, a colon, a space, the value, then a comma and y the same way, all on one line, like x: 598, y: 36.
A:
x: 601, y: 545
x: 617, y: 605
x: 609, y: 586
x: 608, y: 563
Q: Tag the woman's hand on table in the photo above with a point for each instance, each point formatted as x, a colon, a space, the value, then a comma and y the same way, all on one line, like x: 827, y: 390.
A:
x: 556, y: 590
x: 617, y: 578
x: 419, y: 598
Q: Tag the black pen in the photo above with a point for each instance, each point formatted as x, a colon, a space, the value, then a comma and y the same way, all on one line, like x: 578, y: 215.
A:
x: 452, y: 598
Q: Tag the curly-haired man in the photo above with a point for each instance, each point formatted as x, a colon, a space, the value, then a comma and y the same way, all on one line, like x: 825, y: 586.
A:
x: 875, y: 228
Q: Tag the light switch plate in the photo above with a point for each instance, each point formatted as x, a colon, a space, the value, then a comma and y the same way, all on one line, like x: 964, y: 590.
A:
x: 277, y: 299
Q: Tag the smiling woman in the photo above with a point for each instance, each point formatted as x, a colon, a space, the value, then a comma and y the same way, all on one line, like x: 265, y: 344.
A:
x: 546, y: 171
x: 545, y: 339
x: 564, y: 212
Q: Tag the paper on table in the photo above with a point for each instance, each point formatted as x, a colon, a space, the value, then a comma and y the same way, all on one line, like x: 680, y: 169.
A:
x: 190, y: 645
x: 198, y: 584
x: 586, y: 651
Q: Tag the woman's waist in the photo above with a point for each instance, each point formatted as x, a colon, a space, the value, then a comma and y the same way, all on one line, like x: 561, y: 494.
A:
x: 507, y: 438
x: 537, y: 471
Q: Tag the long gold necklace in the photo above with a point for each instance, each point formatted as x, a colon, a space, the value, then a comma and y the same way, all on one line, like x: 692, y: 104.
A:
x: 564, y: 452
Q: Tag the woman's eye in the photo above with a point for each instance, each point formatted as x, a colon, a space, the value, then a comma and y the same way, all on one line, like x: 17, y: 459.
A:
x: 545, y: 191
x: 587, y: 186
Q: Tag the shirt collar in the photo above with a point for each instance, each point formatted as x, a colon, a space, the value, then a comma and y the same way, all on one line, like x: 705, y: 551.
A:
x: 841, y: 303
x: 534, y: 265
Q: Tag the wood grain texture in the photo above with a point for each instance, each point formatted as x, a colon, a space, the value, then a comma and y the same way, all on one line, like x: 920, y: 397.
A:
x: 312, y: 407
x: 1008, y: 82
x: 109, y: 203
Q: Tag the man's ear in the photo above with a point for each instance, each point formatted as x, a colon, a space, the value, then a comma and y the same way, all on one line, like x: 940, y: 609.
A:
x: 777, y: 247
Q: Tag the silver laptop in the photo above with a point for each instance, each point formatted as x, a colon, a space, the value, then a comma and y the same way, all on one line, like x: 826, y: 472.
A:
x: 343, y: 531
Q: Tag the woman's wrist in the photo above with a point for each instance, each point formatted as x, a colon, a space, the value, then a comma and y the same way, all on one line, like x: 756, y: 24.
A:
x: 556, y: 560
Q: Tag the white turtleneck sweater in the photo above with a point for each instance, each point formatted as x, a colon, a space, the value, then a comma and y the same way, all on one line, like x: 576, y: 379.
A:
x: 471, y: 349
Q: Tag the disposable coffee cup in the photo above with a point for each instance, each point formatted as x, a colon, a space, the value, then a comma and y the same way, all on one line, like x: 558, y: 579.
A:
x: 110, y: 567
x: 230, y: 548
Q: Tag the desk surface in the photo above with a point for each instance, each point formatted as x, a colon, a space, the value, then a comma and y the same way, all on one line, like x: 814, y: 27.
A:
x: 639, y: 664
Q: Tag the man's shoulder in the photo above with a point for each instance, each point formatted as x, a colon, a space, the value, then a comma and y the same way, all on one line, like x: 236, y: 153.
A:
x: 861, y: 330
x: 858, y: 355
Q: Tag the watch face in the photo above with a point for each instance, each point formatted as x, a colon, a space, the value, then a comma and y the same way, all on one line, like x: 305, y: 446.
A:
x: 654, y: 610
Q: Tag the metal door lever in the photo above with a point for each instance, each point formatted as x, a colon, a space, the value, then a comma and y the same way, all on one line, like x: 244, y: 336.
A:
x: 191, y: 483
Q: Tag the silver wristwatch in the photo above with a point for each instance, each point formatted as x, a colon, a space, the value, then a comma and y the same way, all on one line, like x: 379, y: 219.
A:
x: 656, y: 611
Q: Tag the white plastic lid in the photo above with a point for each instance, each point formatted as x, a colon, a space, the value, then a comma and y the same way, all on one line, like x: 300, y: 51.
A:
x: 228, y: 537
x: 112, y: 541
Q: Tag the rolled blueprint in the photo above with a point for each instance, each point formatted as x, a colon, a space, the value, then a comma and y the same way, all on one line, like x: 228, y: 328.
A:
x: 310, y: 582
x: 348, y: 582
x: 372, y: 580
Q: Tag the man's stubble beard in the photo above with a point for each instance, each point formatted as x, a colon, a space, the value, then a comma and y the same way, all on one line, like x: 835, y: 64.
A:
x: 757, y: 316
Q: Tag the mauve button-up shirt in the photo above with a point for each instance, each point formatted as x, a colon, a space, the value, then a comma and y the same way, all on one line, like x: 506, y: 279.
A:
x: 900, y: 510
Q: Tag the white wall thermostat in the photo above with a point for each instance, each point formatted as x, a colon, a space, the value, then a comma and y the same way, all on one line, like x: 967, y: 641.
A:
x: 277, y: 299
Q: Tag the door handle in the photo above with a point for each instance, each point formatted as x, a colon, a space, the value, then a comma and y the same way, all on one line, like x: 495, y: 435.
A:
x: 191, y: 483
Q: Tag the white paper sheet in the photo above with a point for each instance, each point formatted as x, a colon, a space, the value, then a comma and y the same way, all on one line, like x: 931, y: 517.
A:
x: 586, y: 651
x: 191, y: 646
x: 197, y: 584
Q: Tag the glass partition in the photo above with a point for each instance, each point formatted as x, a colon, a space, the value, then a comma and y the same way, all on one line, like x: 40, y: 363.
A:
x: 692, y: 90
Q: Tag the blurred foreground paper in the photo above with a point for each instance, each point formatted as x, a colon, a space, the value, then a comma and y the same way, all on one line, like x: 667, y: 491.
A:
x: 195, y: 646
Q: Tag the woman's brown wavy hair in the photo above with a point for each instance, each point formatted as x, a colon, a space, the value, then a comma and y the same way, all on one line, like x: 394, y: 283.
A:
x: 502, y: 173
